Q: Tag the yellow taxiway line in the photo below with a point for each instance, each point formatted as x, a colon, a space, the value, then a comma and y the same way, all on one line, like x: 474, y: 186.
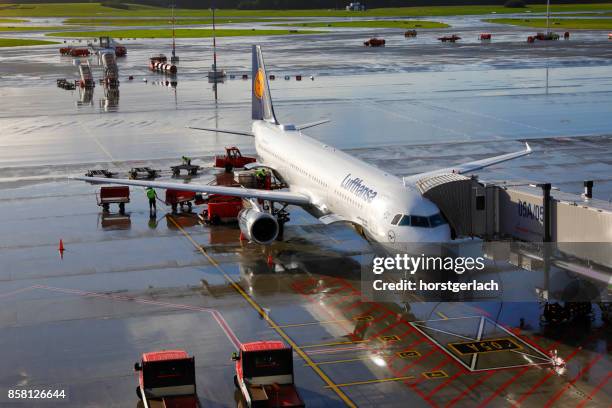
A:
x: 337, y: 343
x: 378, y: 380
x: 264, y: 315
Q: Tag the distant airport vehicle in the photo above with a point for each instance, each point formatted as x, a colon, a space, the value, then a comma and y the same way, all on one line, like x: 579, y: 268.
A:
x: 75, y: 51
x: 547, y: 36
x: 65, y: 84
x: 484, y: 36
x: 410, y: 33
x: 233, y: 159
x: 158, y: 63
x: 375, y: 42
x: 167, y: 379
x: 108, y: 44
x: 264, y: 375
x: 87, y: 79
x: 328, y: 183
x: 450, y: 38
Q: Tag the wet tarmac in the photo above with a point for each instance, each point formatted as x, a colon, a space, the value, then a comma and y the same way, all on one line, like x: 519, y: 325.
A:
x: 130, y: 284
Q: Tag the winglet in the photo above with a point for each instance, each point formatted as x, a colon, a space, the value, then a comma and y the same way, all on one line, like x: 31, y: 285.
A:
x: 529, y: 150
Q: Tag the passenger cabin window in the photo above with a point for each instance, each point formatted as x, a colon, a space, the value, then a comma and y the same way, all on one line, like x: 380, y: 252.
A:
x: 396, y: 219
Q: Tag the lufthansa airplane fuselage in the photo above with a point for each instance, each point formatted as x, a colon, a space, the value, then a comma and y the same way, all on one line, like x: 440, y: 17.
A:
x: 343, y: 185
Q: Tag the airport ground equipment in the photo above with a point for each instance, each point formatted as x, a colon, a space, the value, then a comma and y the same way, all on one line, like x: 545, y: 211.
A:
x: 111, y: 70
x: 484, y: 37
x: 74, y: 51
x: 100, y: 173
x: 176, y: 198
x: 64, y: 84
x: 375, y: 42
x: 264, y: 375
x: 233, y: 159
x: 119, y: 195
x: 410, y: 33
x: 158, y: 63
x: 191, y: 169
x: 166, y: 379
x: 566, y: 35
x: 87, y: 80
x: 107, y: 44
x: 221, y: 209
x: 449, y: 38
x: 143, y: 172
x: 549, y: 36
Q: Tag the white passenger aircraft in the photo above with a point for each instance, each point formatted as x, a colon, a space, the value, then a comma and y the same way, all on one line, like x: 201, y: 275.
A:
x: 328, y: 183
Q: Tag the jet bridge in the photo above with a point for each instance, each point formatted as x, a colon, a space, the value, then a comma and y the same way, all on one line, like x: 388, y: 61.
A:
x: 522, y: 211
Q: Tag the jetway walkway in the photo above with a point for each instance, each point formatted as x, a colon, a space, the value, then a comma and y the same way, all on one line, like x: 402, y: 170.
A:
x: 525, y: 212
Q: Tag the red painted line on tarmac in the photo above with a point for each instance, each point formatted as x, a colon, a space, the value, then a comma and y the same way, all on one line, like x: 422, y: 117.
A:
x: 342, y: 299
x: 369, y: 323
x: 14, y: 292
x: 425, y: 397
x: 337, y: 349
x: 444, y: 384
x: 351, y: 306
x: 214, y: 313
x: 415, y: 362
x: 503, y: 387
x: 386, y: 329
x: 436, y: 368
x: 470, y: 388
x: 573, y: 381
x: 544, y: 379
x: 598, y: 388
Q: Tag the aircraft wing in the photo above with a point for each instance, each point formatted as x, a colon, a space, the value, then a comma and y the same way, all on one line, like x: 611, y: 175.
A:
x: 469, y: 167
x: 279, y: 196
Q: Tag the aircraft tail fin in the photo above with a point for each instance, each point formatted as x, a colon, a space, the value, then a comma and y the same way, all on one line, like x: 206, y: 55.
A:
x: 262, y: 108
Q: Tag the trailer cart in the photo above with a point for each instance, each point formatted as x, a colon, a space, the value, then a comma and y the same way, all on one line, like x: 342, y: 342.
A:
x: 113, y: 195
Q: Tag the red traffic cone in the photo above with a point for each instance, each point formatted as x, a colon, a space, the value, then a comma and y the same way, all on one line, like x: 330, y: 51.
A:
x: 61, y: 246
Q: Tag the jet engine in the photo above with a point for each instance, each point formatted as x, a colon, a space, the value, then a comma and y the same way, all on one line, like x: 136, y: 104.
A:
x: 258, y: 226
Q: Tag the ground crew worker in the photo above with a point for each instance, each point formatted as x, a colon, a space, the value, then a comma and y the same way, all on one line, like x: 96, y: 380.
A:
x: 187, y: 160
x: 152, y: 196
x: 261, y: 177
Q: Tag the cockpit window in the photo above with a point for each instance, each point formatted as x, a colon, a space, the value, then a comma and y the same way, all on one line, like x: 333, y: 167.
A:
x: 432, y: 221
x: 418, y: 221
x: 436, y: 220
x: 405, y: 221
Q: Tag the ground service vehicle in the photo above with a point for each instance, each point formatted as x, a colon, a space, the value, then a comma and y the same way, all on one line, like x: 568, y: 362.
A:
x: 221, y: 208
x: 264, y: 375
x: 233, y: 159
x: 167, y: 379
x: 375, y: 42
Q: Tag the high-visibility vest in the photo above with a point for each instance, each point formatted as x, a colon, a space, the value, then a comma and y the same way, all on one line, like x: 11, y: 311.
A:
x: 150, y: 193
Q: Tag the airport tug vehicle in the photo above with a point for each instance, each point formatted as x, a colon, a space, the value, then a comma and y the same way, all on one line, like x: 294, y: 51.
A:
x: 166, y: 379
x: 233, y: 159
x: 264, y: 375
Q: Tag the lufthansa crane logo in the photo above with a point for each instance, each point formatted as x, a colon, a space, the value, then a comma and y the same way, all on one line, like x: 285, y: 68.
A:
x: 258, y: 85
